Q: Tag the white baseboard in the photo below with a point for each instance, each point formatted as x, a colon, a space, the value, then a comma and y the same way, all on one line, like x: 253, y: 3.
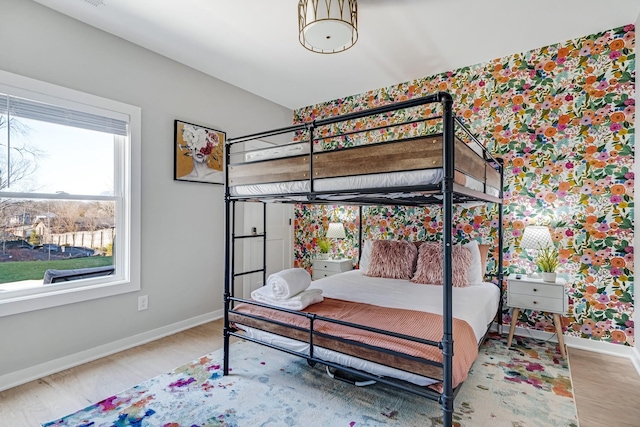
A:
x: 23, y: 376
x: 635, y: 358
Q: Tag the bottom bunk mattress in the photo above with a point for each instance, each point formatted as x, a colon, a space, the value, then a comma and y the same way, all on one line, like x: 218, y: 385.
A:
x: 396, y: 305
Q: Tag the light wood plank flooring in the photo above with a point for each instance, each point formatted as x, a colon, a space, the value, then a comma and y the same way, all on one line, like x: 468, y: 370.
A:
x: 607, y: 388
x: 60, y: 394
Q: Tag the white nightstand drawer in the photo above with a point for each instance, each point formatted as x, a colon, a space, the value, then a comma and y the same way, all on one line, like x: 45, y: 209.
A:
x: 329, y: 267
x: 536, y: 289
x: 534, y: 302
x: 338, y: 265
x: 319, y: 274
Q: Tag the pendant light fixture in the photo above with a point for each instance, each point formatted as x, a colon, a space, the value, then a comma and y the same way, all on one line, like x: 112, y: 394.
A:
x: 328, y: 26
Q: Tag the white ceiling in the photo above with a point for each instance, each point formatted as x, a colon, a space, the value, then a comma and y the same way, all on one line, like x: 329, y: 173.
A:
x: 253, y: 44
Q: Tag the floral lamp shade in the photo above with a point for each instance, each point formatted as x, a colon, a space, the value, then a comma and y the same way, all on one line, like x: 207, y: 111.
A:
x: 536, y: 237
x: 336, y: 231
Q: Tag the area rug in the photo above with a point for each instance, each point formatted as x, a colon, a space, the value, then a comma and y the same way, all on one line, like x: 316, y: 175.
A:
x: 527, y: 385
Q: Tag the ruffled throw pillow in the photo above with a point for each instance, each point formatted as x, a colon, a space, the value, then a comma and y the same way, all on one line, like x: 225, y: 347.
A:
x: 392, y: 259
x: 430, y: 265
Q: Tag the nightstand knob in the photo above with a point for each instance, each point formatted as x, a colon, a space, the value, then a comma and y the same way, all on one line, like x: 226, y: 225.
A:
x: 535, y: 290
x: 535, y: 302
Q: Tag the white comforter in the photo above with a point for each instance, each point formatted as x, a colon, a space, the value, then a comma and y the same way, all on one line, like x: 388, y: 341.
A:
x: 476, y: 305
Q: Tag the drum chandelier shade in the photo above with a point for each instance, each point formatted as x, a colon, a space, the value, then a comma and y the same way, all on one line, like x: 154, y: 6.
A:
x: 328, y: 26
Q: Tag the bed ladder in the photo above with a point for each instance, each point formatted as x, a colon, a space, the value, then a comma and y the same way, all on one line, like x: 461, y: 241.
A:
x: 230, y: 264
x: 252, y: 235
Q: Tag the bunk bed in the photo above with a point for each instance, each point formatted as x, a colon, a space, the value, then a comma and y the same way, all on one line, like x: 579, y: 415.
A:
x: 432, y: 158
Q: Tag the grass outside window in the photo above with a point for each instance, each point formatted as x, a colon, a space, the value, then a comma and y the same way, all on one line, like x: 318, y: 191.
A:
x: 13, y: 271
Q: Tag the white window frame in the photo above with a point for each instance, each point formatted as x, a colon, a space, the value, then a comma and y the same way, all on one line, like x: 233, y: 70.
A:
x: 127, y: 178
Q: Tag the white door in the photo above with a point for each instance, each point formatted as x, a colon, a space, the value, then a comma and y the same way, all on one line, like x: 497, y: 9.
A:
x: 279, y: 237
x: 279, y: 243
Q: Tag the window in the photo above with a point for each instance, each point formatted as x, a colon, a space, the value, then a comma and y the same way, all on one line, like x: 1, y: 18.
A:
x: 69, y: 196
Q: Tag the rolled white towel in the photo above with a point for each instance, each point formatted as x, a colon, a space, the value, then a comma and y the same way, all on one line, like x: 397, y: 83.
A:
x: 287, y: 283
x: 299, y: 301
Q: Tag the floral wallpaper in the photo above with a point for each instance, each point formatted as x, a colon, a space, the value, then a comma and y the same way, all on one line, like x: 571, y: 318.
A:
x: 562, y: 117
x: 312, y: 222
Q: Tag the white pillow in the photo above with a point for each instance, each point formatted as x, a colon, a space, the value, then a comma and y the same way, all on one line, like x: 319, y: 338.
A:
x: 475, y: 274
x: 364, y: 256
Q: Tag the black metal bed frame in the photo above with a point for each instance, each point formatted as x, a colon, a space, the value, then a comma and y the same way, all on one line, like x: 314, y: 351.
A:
x: 450, y: 193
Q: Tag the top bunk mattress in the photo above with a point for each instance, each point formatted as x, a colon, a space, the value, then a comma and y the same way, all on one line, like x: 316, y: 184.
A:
x: 359, y: 182
x: 277, y: 152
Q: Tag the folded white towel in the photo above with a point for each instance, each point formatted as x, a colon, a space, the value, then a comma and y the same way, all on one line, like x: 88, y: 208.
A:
x: 298, y: 302
x: 287, y: 283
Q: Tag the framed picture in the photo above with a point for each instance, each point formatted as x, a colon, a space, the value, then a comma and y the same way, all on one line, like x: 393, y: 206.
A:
x: 199, y: 153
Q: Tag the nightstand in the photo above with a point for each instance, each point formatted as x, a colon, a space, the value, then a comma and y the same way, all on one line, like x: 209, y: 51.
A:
x: 533, y: 294
x: 329, y: 267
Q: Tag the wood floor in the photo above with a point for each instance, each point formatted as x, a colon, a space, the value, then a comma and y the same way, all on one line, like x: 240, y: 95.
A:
x: 607, y: 388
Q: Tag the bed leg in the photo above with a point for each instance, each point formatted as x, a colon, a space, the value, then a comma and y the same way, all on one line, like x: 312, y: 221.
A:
x: 500, y: 308
x: 447, y: 396
x: 225, y: 364
x: 447, y: 410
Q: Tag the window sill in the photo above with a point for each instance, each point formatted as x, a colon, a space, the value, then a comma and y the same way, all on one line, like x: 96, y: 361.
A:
x: 61, y: 295
x: 18, y: 286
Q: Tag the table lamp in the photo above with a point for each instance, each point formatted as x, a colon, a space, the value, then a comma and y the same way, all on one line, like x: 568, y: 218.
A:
x: 535, y: 237
x: 336, y: 231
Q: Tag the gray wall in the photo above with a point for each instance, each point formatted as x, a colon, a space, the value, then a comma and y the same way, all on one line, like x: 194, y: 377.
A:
x: 182, y: 223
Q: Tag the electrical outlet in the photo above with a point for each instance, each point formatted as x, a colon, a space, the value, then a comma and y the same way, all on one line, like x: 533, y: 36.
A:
x: 143, y: 302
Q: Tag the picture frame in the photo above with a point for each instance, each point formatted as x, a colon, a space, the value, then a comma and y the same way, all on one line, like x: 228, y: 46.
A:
x: 198, y: 153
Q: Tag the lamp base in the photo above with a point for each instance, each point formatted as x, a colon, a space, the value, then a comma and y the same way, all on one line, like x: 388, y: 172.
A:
x: 534, y: 275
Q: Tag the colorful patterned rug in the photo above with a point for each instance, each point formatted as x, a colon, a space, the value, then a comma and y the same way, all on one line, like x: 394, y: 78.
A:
x: 527, y: 385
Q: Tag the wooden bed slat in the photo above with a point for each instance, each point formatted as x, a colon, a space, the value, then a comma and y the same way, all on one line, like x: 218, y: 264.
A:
x: 468, y: 161
x: 423, y: 153
x: 413, y: 366
x: 276, y: 170
x: 416, y: 154
x: 493, y: 177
